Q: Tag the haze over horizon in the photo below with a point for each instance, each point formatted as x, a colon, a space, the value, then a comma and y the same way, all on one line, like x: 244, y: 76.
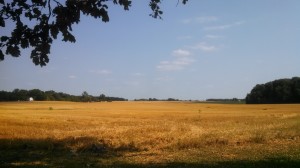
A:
x: 204, y: 49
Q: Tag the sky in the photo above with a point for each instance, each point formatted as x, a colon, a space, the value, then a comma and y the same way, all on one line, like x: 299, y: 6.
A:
x: 204, y: 49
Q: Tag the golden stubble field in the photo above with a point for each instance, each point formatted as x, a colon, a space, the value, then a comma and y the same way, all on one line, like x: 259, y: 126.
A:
x: 148, y: 134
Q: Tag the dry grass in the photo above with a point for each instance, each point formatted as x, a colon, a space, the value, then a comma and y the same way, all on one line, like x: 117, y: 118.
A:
x: 158, y: 134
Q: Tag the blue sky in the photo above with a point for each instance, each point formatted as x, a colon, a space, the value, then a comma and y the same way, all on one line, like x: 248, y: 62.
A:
x: 205, y: 49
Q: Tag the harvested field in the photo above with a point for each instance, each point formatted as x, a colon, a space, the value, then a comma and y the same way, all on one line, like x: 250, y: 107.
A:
x: 148, y: 134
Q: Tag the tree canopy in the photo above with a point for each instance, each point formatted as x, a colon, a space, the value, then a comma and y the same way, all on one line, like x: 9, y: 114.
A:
x: 38, y: 22
x: 277, y: 91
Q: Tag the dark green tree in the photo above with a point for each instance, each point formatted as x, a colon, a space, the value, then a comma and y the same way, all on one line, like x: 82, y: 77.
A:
x: 37, y: 94
x: 102, y: 97
x: 5, y: 96
x: 85, y: 97
x: 20, y: 94
x: 277, y: 91
x: 295, y: 89
x: 38, y: 22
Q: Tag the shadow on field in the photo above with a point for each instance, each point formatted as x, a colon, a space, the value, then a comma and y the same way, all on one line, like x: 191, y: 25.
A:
x: 79, y: 152
x: 269, y: 163
x: 68, y: 152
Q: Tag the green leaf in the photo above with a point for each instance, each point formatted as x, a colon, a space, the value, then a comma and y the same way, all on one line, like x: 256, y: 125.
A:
x: 54, y: 31
x: 24, y: 43
x: 104, y: 15
x: 40, y: 2
x: 68, y: 37
x: 13, y: 51
x: 36, y: 11
x: 184, y: 1
x: 39, y: 57
x: 4, y: 38
x: 1, y: 55
x: 2, y: 22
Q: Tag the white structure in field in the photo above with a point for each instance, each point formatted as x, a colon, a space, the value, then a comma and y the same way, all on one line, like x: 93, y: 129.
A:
x: 30, y: 99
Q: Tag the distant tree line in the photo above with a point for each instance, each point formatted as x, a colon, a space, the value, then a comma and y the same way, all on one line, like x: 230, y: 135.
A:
x: 38, y: 95
x: 232, y: 100
x: 155, y: 99
x: 277, y: 91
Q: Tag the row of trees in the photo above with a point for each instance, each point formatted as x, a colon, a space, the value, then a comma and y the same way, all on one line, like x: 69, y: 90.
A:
x: 277, y: 91
x: 36, y: 94
x: 155, y: 99
x: 233, y: 100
